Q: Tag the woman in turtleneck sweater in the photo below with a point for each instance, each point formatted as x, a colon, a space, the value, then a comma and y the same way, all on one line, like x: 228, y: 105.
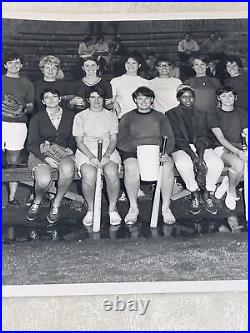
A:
x: 193, y: 150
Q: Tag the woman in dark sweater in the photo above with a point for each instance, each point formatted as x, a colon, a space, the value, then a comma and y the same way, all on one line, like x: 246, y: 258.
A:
x: 193, y: 150
x: 54, y: 125
x: 145, y: 126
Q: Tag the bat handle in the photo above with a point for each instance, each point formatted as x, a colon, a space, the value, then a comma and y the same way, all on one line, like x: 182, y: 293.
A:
x: 244, y: 142
x: 99, y: 150
x: 164, y: 146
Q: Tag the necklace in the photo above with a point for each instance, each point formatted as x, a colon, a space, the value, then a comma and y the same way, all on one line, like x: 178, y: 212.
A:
x: 202, y: 81
x: 91, y: 83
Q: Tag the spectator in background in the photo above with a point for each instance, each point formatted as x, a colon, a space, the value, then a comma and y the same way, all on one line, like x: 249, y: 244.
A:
x: 164, y: 86
x: 187, y: 47
x: 237, y: 80
x: 150, y: 70
x: 175, y: 70
x: 214, y: 47
x: 204, y: 86
x: 87, y: 48
x: 14, y: 129
x: 102, y: 52
x: 118, y: 52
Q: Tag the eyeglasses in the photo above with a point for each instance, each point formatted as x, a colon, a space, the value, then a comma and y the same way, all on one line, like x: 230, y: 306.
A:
x: 163, y: 65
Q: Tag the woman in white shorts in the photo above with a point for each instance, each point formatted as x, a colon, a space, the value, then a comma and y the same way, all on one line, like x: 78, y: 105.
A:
x: 90, y: 125
x: 17, y: 96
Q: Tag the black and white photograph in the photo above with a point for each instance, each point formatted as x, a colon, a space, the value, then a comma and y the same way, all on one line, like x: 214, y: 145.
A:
x: 124, y: 152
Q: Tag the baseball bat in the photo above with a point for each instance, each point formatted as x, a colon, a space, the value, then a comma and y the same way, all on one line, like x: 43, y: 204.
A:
x: 244, y: 148
x: 157, y: 196
x: 98, y: 193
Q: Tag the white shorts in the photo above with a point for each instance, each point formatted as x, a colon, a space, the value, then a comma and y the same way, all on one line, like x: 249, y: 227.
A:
x: 83, y: 159
x: 13, y: 135
x: 219, y: 151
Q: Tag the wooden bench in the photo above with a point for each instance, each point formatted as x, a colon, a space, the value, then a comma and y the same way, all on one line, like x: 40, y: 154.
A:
x: 22, y: 174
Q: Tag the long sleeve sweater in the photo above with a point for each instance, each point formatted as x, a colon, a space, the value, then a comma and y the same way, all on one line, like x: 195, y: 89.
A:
x: 136, y: 128
x: 189, y: 126
x: 41, y: 129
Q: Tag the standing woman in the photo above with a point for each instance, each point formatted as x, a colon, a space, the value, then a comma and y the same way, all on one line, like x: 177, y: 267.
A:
x: 123, y: 86
x: 18, y: 96
x: 55, y: 126
x: 204, y: 86
x: 91, y: 78
x: 90, y: 125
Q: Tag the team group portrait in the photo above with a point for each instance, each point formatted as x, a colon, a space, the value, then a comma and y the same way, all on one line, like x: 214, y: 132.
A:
x: 125, y: 142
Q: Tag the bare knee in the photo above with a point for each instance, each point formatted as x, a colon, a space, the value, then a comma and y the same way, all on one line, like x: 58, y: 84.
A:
x: 237, y: 165
x: 43, y: 178
x: 66, y: 168
x: 131, y: 169
x: 88, y: 173
x: 111, y: 172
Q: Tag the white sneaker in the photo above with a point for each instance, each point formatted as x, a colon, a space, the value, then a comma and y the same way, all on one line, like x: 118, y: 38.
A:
x: 88, y: 219
x: 221, y: 190
x: 168, y: 217
x: 230, y: 202
x: 114, y: 218
x: 131, y: 217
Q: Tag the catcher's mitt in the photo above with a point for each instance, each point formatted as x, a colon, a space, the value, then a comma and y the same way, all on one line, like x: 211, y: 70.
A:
x: 200, y: 171
x: 11, y: 107
x: 55, y: 151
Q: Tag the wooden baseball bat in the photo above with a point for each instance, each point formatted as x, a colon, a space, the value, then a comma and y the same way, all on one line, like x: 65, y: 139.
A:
x: 157, y: 196
x: 98, y: 192
x: 244, y: 148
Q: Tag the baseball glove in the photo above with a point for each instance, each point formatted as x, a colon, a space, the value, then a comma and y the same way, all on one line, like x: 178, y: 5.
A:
x: 55, y: 151
x: 200, y: 171
x: 11, y: 107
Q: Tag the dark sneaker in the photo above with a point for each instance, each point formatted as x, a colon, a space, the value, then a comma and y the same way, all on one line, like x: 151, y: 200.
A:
x: 33, y: 211
x: 208, y: 203
x: 14, y: 203
x: 53, y: 215
x: 195, y: 207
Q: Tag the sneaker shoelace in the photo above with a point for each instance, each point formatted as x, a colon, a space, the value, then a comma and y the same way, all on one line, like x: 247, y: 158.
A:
x: 196, y: 203
x: 209, y: 202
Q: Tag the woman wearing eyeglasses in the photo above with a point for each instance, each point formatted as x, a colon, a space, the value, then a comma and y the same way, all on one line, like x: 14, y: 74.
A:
x: 164, y: 86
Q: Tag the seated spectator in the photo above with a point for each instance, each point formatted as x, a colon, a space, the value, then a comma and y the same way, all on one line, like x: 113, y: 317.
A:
x: 17, y: 92
x: 89, y: 126
x: 175, y: 70
x: 102, y: 52
x: 187, y: 47
x: 164, y: 86
x: 54, y: 125
x: 204, y: 86
x: 227, y: 123
x: 237, y: 80
x: 150, y: 70
x: 145, y: 126
x: 214, y: 47
x: 87, y: 48
x: 50, y: 68
x: 91, y: 77
x: 118, y: 52
x: 195, y: 160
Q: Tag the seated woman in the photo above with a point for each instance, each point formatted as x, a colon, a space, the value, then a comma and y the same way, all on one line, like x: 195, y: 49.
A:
x: 193, y: 150
x: 54, y: 125
x: 91, y: 78
x: 227, y: 123
x: 90, y: 125
x: 145, y: 126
